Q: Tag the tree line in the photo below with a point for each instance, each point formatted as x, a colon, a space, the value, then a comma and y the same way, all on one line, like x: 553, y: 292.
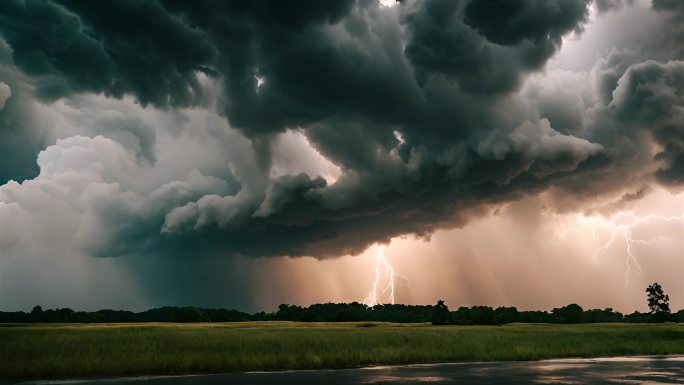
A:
x: 343, y: 312
x: 438, y: 314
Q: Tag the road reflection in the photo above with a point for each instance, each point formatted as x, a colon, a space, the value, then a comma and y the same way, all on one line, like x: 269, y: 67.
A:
x: 620, y: 370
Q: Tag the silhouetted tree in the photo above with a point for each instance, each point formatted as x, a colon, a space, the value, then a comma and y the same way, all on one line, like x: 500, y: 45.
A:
x: 482, y: 315
x: 345, y: 316
x: 331, y: 312
x: 571, y: 314
x: 37, y: 314
x: 506, y: 315
x: 598, y: 315
x: 440, y: 313
x: 536, y: 316
x: 188, y: 314
x: 658, y: 302
x: 461, y: 316
x: 679, y: 316
x: 639, y: 318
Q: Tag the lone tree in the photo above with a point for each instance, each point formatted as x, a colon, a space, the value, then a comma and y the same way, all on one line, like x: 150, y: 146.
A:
x: 440, y: 313
x: 658, y: 302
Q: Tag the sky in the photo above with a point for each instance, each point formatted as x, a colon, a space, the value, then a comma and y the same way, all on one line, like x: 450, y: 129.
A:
x: 245, y: 154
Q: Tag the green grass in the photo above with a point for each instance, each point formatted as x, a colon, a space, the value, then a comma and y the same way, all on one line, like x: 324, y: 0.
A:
x: 48, y: 351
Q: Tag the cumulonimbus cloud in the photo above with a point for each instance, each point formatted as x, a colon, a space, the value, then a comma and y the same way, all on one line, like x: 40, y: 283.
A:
x: 421, y: 106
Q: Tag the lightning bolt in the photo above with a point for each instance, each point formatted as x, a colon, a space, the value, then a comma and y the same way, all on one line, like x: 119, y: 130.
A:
x: 383, y: 269
x: 621, y: 227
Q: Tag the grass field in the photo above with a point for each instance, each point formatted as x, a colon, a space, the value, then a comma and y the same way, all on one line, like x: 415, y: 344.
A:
x: 49, y: 351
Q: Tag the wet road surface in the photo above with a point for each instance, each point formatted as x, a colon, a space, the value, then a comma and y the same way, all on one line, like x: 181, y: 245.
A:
x: 632, y: 370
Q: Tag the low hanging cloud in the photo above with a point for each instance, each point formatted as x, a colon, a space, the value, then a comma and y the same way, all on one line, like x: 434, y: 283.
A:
x: 167, y: 135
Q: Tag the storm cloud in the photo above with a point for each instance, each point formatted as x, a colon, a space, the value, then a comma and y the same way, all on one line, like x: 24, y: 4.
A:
x: 412, y: 118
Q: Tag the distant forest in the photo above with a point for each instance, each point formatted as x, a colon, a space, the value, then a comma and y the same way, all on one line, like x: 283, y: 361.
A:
x: 347, y: 312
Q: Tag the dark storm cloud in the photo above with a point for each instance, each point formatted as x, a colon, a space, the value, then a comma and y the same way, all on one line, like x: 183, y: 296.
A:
x: 672, y: 39
x: 133, y: 47
x: 20, y: 136
x: 651, y: 95
x: 454, y: 38
x: 417, y: 105
x: 510, y: 22
x: 668, y: 5
x: 611, y: 5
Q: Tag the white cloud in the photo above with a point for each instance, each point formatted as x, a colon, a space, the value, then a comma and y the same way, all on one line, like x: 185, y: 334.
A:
x: 5, y: 93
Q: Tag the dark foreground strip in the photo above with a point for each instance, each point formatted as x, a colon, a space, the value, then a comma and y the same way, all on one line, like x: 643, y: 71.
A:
x: 631, y: 370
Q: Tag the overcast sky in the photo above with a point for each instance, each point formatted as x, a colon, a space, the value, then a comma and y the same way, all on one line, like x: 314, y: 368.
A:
x: 244, y: 154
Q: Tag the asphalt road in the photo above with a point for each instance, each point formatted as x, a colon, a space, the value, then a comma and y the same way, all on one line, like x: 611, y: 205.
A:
x: 634, y: 370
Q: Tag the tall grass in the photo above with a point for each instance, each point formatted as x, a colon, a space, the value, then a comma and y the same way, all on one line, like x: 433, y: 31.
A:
x: 48, y: 351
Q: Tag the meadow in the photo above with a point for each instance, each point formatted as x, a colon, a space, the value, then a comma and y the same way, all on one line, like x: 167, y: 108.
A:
x: 75, y: 350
